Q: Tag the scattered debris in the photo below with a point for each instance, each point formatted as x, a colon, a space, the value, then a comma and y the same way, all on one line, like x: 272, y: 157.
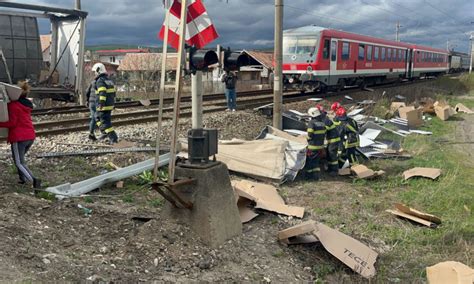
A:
x: 443, y: 110
x: 85, y: 186
x: 315, y: 99
x: 293, y: 119
x: 85, y: 210
x: 359, y: 257
x: 245, y: 212
x: 364, y: 172
x: 414, y: 116
x: 345, y: 172
x: 396, y: 105
x: 414, y: 215
x: 265, y: 197
x: 145, y: 103
x: 462, y: 108
x: 450, y: 272
x: 368, y: 89
x: 348, y: 98
x: 400, y: 97
x: 431, y: 173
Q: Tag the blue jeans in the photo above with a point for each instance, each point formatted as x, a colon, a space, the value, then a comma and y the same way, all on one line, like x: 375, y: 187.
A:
x: 231, y: 97
x: 92, y: 123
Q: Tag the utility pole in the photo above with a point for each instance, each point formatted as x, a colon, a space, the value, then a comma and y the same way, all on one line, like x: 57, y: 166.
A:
x: 80, y: 56
x: 397, y: 35
x: 277, y: 73
x: 472, y: 51
x: 447, y: 45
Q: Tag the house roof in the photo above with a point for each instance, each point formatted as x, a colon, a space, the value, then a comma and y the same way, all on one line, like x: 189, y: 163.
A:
x: 264, y: 58
x: 45, y: 42
x: 147, y: 62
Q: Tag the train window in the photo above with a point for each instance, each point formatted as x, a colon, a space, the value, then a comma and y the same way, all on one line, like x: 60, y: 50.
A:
x: 333, y: 50
x: 289, y: 45
x: 361, y: 52
x: 400, y: 58
x: 306, y: 45
x: 376, y: 53
x: 345, y: 51
x: 326, y: 49
x: 369, y: 53
x: 404, y: 55
x: 382, y: 56
x: 389, y: 54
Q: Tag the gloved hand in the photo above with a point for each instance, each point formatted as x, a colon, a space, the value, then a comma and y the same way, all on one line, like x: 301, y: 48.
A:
x: 99, y: 107
x: 309, y: 153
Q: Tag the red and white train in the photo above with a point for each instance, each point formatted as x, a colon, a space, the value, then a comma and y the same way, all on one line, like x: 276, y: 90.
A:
x: 315, y: 58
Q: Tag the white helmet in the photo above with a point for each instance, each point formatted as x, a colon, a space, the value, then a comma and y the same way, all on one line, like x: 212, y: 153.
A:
x: 314, y: 112
x: 99, y: 68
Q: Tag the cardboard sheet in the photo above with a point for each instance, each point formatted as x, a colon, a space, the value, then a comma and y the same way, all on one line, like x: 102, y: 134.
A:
x: 266, y: 197
x: 345, y: 172
x: 365, y: 142
x: 405, y: 209
x: 462, y: 108
x: 245, y: 212
x: 426, y: 219
x: 450, y: 272
x: 412, y: 115
x: 364, y: 172
x: 396, y: 105
x: 351, y: 252
x: 431, y: 173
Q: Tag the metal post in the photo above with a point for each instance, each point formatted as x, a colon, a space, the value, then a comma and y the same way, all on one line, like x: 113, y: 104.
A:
x: 196, y: 93
x: 178, y: 87
x: 162, y: 91
x: 53, y: 52
x: 79, y: 88
x: 278, y: 75
x: 472, y: 52
x: 397, y: 35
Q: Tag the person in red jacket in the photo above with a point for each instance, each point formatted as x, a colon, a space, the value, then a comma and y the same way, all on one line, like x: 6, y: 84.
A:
x: 21, y: 134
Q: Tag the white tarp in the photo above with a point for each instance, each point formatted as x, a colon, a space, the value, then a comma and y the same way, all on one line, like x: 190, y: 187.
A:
x: 68, y: 31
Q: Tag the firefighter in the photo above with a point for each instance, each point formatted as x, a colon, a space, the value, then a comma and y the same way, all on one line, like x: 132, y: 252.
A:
x: 316, y: 134
x: 333, y: 140
x: 105, y: 92
x: 349, y: 134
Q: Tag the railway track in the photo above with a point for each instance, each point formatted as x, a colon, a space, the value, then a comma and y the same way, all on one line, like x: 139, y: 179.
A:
x: 128, y: 104
x: 246, y: 101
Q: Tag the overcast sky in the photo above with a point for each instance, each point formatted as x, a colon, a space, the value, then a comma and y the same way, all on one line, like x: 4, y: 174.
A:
x: 249, y: 23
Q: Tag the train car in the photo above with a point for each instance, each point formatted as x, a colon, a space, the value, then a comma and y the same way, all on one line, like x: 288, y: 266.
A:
x: 458, y: 61
x: 315, y: 58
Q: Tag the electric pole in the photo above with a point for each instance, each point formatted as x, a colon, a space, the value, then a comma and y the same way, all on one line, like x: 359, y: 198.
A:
x: 472, y: 51
x: 277, y: 73
x: 397, y: 35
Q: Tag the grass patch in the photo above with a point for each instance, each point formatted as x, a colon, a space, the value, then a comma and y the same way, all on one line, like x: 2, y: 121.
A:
x: 406, y: 249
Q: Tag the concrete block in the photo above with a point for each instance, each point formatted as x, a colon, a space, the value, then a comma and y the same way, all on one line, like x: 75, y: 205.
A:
x: 214, y: 216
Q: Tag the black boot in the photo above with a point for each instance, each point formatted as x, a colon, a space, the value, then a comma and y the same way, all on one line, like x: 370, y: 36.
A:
x: 92, y: 137
x: 36, y: 183
x: 113, y: 138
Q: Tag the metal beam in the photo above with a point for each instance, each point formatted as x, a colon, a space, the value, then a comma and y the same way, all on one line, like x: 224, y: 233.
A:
x: 24, y: 14
x: 85, y: 186
x: 14, y: 5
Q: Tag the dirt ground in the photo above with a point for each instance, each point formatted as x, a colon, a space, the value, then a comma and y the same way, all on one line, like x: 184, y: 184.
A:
x: 123, y: 237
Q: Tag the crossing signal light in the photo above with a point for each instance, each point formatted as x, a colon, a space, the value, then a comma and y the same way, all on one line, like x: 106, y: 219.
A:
x: 234, y: 60
x: 201, y: 59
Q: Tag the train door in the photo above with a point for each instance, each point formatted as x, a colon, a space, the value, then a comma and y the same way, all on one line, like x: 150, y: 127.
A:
x: 409, y: 65
x: 333, y: 63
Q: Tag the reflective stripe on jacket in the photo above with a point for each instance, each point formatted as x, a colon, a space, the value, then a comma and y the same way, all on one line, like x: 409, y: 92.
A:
x: 105, y: 92
x: 316, y: 134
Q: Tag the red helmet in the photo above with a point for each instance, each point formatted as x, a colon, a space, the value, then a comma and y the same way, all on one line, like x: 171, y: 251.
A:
x: 335, y: 106
x: 341, y: 112
x: 320, y: 107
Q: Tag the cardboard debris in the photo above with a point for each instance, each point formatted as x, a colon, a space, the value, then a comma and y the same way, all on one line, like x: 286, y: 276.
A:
x: 413, y: 116
x: 145, y: 103
x: 351, y: 252
x: 345, y: 172
x: 462, y: 108
x: 414, y: 215
x: 266, y: 197
x: 443, y: 110
x: 364, y: 172
x: 450, y: 272
x: 431, y: 173
x: 396, y: 105
x: 245, y: 212
x: 422, y: 132
x: 119, y: 184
